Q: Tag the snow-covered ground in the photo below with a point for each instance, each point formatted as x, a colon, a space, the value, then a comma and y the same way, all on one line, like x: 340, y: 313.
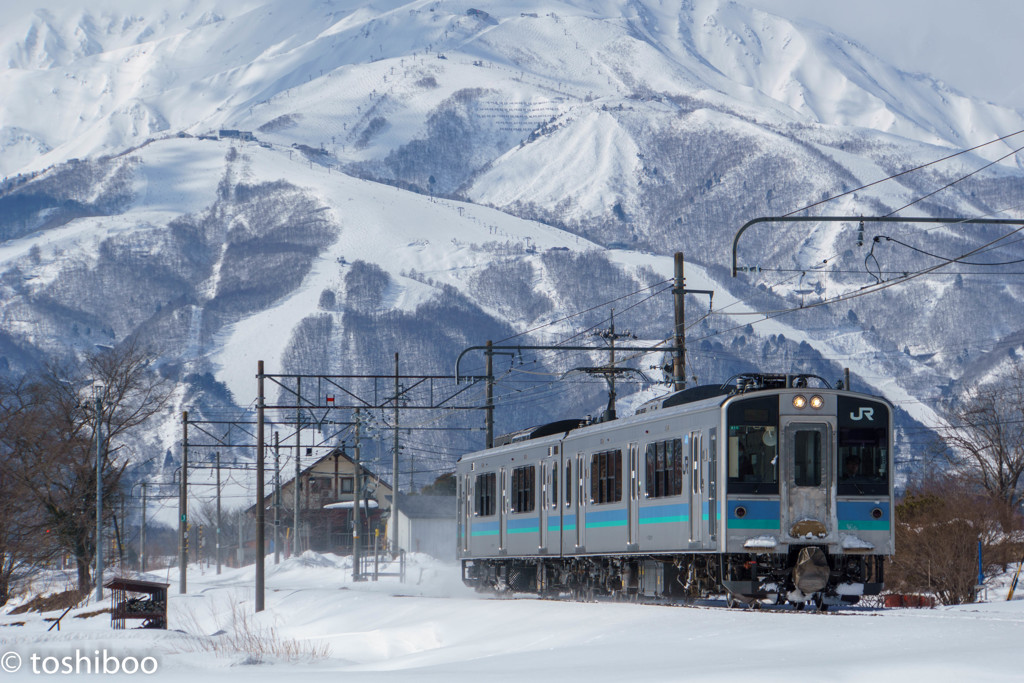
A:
x: 432, y: 628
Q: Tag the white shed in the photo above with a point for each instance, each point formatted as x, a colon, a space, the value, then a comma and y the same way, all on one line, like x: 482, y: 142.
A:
x: 426, y: 524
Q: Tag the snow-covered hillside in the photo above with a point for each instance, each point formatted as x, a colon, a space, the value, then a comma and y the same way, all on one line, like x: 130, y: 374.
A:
x: 321, y: 185
x: 97, y: 79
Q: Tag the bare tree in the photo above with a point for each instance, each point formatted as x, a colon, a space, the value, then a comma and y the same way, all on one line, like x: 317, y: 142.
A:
x: 22, y: 542
x: 985, y: 433
x: 56, y: 450
x: 939, y: 524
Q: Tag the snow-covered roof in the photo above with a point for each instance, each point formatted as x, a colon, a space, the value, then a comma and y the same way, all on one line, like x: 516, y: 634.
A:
x: 427, y: 507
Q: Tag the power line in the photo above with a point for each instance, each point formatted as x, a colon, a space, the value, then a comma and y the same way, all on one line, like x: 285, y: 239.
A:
x: 903, y: 173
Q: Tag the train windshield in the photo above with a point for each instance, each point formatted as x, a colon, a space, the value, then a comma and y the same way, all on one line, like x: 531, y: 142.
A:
x: 754, y: 445
x: 863, y: 448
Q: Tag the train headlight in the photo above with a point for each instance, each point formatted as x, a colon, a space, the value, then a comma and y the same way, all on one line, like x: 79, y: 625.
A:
x: 799, y: 401
x: 817, y: 402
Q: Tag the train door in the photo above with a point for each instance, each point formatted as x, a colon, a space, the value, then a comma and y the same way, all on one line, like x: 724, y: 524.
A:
x: 502, y: 509
x: 809, y: 449
x: 467, y: 512
x: 712, y: 484
x: 568, y: 514
x: 542, y: 506
x: 581, y: 521
x: 555, y: 516
x: 633, y: 499
x: 696, y: 488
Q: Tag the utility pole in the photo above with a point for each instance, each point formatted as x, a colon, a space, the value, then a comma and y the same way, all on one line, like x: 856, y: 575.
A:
x: 489, y: 395
x: 357, y: 495
x: 612, y: 336
x: 277, y: 499
x: 142, y: 532
x: 260, y: 512
x: 240, y: 553
x: 679, y: 293
x: 217, y: 536
x: 298, y: 469
x: 679, y: 360
x: 99, y: 494
x: 183, y: 510
x: 394, y: 473
x: 121, y: 536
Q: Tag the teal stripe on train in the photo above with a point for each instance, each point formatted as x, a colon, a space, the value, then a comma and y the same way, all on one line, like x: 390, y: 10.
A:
x: 665, y: 514
x: 861, y: 515
x: 483, y: 529
x: 523, y: 526
x: 759, y: 514
x: 606, y: 518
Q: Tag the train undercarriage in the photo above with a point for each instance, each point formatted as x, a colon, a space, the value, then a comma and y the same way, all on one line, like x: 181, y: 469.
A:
x: 804, y: 575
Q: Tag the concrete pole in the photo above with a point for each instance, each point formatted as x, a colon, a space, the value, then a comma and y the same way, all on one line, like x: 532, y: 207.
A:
x: 142, y: 532
x: 260, y: 511
x: 357, y: 495
x: 183, y: 510
x: 99, y: 496
x: 240, y: 553
x: 611, y: 378
x: 296, y: 549
x: 679, y: 359
x: 277, y: 498
x: 489, y: 396
x: 217, y: 536
x: 393, y: 516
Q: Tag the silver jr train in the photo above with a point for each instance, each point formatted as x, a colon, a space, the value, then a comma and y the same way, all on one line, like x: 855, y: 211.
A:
x: 765, y: 489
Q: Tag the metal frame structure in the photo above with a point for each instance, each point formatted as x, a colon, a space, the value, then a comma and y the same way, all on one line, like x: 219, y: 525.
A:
x: 863, y: 219
x: 421, y: 392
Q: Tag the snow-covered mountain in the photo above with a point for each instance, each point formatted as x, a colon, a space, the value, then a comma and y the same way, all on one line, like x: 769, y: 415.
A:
x: 321, y: 184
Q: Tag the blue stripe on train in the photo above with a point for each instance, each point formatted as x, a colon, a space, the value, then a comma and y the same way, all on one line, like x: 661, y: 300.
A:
x: 606, y: 518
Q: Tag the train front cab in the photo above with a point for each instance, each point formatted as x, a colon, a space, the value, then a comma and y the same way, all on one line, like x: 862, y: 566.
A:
x: 808, y: 495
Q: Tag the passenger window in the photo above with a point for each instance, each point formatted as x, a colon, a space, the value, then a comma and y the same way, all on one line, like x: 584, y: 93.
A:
x: 523, y: 487
x: 606, y: 477
x: 484, y: 498
x: 664, y: 468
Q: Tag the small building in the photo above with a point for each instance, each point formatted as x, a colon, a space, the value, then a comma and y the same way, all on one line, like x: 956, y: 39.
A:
x: 426, y: 524
x: 236, y: 134
x: 326, y: 488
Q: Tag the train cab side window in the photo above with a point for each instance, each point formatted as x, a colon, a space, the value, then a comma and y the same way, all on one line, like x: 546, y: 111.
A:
x: 483, y: 495
x: 753, y: 446
x: 664, y: 468
x: 862, y: 455
x: 606, y: 477
x: 523, y: 489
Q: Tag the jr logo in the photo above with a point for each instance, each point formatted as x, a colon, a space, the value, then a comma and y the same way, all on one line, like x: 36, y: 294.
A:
x: 864, y: 414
